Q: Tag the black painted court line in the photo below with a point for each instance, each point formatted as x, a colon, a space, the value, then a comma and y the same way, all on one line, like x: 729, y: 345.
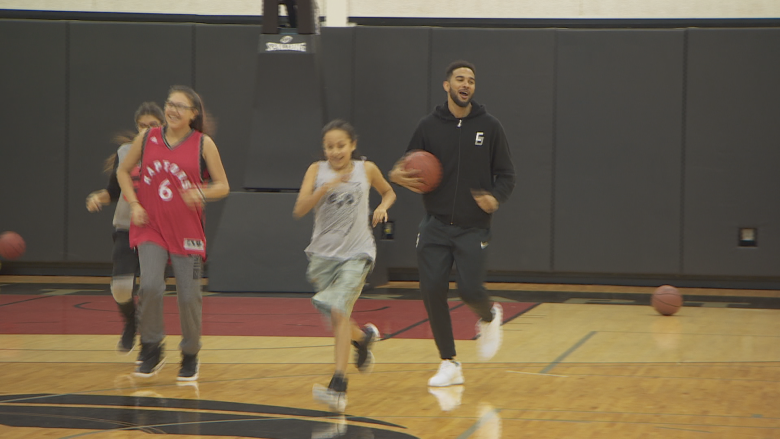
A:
x: 102, y: 414
x: 568, y: 352
x: 507, y: 320
x: 601, y: 298
x: 25, y: 300
x: 387, y: 337
x: 481, y: 421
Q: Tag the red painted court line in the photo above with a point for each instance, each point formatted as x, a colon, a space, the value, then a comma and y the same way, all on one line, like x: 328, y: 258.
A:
x: 258, y: 316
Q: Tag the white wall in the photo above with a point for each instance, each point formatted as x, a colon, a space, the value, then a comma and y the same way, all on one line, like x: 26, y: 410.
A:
x: 439, y: 8
x: 567, y: 8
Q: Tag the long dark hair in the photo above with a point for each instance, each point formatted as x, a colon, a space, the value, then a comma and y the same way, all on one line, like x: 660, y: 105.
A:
x: 343, y: 125
x: 203, y: 121
x: 145, y: 109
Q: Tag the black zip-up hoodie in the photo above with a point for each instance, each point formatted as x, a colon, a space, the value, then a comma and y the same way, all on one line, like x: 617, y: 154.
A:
x: 474, y: 155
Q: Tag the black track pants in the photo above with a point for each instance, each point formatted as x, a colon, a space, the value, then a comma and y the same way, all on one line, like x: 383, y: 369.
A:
x: 438, y: 246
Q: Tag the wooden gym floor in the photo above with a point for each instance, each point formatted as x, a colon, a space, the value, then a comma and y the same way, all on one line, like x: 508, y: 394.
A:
x: 578, y: 361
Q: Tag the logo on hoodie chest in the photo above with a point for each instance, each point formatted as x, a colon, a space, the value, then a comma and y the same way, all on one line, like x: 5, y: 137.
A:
x: 480, y: 138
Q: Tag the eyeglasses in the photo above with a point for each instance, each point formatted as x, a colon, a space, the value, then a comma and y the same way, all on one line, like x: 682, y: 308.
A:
x: 142, y: 126
x: 177, y: 106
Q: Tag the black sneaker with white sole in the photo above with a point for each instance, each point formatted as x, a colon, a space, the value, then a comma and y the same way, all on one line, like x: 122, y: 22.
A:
x: 152, y: 360
x: 189, y: 368
x: 364, y: 358
x: 127, y: 340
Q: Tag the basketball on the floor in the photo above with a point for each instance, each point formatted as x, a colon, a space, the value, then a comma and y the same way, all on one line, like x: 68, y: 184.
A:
x: 429, y: 167
x: 667, y: 300
x: 11, y: 245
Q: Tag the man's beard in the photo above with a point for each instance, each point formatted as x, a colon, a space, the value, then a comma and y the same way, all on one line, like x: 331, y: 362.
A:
x: 456, y: 98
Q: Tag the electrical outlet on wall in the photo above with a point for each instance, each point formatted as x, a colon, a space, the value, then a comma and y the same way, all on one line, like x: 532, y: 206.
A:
x: 748, y: 237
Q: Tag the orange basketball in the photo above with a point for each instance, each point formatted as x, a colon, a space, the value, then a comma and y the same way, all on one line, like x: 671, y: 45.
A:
x: 11, y: 245
x: 429, y: 167
x: 667, y: 300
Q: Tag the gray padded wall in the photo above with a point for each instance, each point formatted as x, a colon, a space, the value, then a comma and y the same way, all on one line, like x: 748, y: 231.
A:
x: 391, y: 96
x: 34, y: 126
x: 113, y: 67
x: 515, y: 83
x: 732, y: 153
x: 225, y: 63
x: 618, y: 151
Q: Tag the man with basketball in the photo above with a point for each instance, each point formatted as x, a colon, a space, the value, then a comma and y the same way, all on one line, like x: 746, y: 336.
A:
x: 477, y: 176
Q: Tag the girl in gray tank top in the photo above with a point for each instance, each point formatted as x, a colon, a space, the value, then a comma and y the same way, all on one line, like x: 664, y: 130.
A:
x: 124, y: 258
x: 342, y: 248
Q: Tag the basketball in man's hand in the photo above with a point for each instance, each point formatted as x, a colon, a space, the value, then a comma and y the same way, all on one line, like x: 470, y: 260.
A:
x: 429, y: 168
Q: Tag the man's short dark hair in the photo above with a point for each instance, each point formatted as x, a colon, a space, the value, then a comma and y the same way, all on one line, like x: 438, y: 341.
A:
x: 457, y: 65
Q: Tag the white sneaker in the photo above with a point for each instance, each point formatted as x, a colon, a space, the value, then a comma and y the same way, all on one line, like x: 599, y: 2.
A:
x: 449, y: 397
x: 449, y: 374
x: 337, y: 401
x: 490, y: 334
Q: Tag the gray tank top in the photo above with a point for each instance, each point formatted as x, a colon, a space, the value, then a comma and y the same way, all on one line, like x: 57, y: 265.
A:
x: 122, y: 211
x: 341, y: 218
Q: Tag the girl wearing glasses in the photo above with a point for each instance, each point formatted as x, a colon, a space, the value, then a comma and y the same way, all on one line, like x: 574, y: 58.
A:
x: 125, y: 260
x: 180, y: 170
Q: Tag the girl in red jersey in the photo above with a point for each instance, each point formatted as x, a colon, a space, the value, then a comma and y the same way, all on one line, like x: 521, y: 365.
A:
x: 167, y: 222
x: 125, y: 259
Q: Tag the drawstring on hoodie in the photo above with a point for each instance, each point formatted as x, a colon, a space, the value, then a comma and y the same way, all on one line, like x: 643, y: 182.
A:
x: 457, y: 177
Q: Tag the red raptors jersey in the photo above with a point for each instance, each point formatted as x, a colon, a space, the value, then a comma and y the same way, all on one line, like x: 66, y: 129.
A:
x: 166, y: 171
x: 135, y: 175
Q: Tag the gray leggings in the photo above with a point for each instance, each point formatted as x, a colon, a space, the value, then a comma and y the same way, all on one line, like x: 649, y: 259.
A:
x: 187, y: 270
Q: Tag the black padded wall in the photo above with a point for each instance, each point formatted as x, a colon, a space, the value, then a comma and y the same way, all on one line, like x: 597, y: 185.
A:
x: 34, y: 126
x: 113, y: 68
x: 732, y: 152
x: 338, y: 66
x: 391, y: 96
x: 515, y: 84
x: 260, y: 246
x: 618, y: 151
x: 287, y: 117
x: 608, y: 181
x: 225, y: 62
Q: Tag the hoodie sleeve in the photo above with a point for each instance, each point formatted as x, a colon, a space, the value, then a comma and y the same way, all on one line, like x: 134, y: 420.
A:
x: 503, y: 168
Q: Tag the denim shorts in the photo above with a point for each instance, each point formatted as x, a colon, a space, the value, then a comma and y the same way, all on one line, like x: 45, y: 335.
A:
x: 338, y: 283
